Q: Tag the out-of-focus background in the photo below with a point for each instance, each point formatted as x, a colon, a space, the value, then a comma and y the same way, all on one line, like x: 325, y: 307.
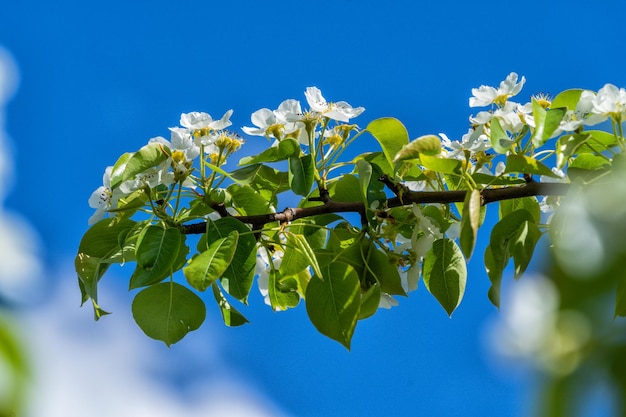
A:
x: 83, y: 82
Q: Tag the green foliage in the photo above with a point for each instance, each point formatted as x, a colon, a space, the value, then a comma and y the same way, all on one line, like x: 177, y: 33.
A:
x: 357, y: 233
x: 445, y: 274
x: 168, y: 311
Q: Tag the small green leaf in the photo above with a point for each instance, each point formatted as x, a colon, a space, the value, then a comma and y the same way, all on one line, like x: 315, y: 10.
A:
x: 156, y: 252
x: 377, y: 264
x: 211, y: 264
x: 527, y: 165
x: 390, y: 134
x: 546, y: 122
x: 442, y: 165
x: 333, y: 303
x: 500, y: 141
x: 284, y: 150
x: 301, y: 174
x: 568, y: 99
x: 238, y: 277
x: 230, y: 315
x: 297, y: 244
x: 530, y: 204
x: 145, y: 158
x: 445, y: 273
x: 494, y: 272
x: 514, y: 236
x: 567, y: 146
x: 248, y: 201
x: 347, y: 189
x: 168, y: 311
x: 282, y: 290
x: 427, y: 144
x: 89, y: 271
x: 102, y: 239
x: 469, y: 222
x: 369, y: 302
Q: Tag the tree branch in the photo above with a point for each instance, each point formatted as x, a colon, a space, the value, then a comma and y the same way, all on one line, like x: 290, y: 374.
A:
x: 531, y: 188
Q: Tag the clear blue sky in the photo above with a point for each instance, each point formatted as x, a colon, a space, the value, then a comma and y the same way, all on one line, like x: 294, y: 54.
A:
x: 101, y: 78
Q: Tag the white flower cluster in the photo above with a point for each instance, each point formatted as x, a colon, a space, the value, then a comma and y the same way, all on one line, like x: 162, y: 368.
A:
x: 290, y: 120
x: 198, y: 130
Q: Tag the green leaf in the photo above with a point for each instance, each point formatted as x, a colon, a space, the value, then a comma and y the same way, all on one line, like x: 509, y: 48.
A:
x: 118, y: 169
x: 377, y: 264
x: 390, y: 134
x: 168, y: 311
x: 587, y: 166
x: 300, y: 256
x: 301, y: 174
x: 333, y: 302
x: 530, y: 204
x: 211, y: 264
x: 494, y: 272
x: 282, y: 290
x: 427, y: 144
x: 102, y: 239
x: 514, y: 236
x: 156, y: 253
x: 284, y: 150
x: 378, y: 160
x: 567, y: 146
x: 369, y: 302
x: 230, y: 315
x: 442, y: 165
x: 346, y: 189
x: 500, y: 141
x: 568, y: 99
x: 445, y: 273
x: 527, y: 165
x: 469, y: 222
x: 238, y: 277
x: 372, y: 193
x: 89, y: 270
x: 248, y: 201
x: 546, y: 122
x: 263, y: 178
x: 145, y: 158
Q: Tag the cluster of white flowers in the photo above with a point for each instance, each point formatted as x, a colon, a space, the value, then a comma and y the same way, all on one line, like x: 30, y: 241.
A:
x: 198, y: 130
x: 290, y: 121
x: 592, y: 108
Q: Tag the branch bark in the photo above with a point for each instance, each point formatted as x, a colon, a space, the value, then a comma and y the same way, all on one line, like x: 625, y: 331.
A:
x: 531, y: 188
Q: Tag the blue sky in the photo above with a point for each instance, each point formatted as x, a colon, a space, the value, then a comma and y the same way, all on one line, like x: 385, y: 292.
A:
x: 100, y: 79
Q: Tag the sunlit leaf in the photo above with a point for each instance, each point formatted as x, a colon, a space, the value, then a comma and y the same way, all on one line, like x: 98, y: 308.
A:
x: 500, y: 141
x: 238, y: 277
x: 211, y: 264
x: 427, y: 144
x: 248, y: 201
x: 442, y: 165
x: 390, y: 134
x: 284, y: 150
x: 527, y: 165
x: 546, y: 122
x: 568, y: 99
x: 147, y: 157
x: 470, y: 221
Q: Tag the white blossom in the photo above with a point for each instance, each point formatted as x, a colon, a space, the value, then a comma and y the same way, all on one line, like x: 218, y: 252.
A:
x: 340, y: 111
x: 486, y: 95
